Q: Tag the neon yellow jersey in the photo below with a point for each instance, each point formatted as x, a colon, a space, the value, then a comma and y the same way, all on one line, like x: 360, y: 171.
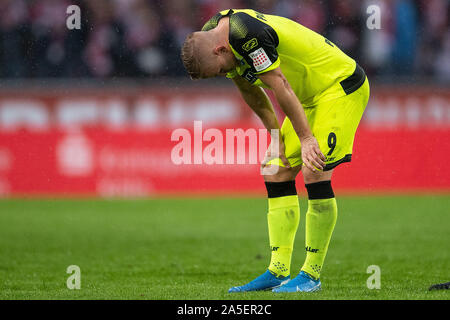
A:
x: 312, y: 64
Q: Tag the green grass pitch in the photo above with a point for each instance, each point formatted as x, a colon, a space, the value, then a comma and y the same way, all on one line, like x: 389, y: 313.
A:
x: 176, y: 248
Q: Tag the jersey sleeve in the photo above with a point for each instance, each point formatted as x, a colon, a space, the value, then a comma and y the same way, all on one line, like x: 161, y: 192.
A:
x: 212, y: 23
x: 214, y: 20
x: 254, y: 41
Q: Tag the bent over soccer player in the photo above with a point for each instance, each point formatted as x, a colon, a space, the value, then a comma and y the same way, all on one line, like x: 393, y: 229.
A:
x: 323, y: 93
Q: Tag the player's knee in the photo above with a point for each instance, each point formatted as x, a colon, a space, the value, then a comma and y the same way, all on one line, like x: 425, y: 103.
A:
x: 279, y: 174
x: 317, y: 176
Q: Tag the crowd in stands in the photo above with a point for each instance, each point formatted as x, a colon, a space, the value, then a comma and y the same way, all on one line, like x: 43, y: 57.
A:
x: 142, y: 38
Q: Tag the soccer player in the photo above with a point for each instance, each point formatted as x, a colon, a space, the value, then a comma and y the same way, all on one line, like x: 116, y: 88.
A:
x: 323, y: 93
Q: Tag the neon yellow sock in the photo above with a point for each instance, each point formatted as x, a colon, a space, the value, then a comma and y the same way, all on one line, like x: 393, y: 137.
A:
x: 283, y: 218
x: 320, y: 221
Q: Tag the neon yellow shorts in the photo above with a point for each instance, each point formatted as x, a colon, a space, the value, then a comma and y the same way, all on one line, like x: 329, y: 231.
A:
x: 334, y: 125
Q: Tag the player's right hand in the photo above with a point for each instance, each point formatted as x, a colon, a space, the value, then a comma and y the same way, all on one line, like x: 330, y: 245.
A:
x: 312, y: 157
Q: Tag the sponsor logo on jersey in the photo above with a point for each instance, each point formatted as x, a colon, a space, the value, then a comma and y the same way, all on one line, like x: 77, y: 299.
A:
x: 250, y: 44
x: 311, y: 249
x: 260, y: 59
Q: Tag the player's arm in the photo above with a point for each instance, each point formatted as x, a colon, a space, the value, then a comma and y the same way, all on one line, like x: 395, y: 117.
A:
x: 311, y: 155
x: 259, y: 102
x: 259, y: 49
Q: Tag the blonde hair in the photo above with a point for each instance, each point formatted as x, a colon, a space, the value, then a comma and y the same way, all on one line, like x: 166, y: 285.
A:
x: 190, y: 58
x: 194, y: 53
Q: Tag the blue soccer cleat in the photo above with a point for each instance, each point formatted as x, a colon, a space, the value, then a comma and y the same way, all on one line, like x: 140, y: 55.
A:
x: 301, y: 283
x: 266, y: 281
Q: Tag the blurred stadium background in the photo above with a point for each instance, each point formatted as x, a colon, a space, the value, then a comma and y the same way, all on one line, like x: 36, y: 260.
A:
x: 90, y: 112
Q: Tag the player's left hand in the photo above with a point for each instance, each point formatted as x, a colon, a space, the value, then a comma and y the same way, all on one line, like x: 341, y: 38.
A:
x: 312, y: 157
x: 275, y: 150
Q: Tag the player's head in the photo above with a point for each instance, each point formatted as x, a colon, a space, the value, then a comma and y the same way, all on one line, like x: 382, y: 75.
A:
x: 205, y: 56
